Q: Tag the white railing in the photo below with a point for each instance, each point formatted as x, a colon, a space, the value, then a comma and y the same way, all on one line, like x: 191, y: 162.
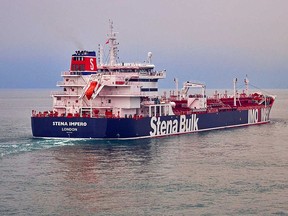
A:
x: 103, y: 93
x: 71, y: 73
x: 64, y: 93
x: 59, y: 104
x: 70, y: 83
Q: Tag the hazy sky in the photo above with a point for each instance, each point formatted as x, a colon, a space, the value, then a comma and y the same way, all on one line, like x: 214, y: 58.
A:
x: 207, y: 40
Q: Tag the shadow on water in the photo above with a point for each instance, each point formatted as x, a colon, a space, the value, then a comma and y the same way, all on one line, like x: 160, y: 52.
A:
x: 101, y: 161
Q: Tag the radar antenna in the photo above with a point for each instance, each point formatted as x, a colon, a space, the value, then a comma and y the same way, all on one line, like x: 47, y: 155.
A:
x: 112, y: 41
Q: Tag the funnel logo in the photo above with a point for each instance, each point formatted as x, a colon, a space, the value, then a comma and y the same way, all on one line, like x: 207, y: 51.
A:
x: 91, y: 64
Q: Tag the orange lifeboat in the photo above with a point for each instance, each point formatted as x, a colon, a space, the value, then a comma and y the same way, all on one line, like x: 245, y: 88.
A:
x: 90, y: 90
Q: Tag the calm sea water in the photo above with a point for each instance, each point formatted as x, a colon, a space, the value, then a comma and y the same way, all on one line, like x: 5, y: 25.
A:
x: 240, y: 171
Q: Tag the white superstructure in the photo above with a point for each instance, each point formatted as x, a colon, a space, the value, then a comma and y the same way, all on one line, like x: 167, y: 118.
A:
x: 109, y: 89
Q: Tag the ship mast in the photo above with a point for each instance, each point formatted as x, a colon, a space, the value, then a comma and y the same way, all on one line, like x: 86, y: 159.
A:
x: 246, y: 84
x: 235, y: 93
x: 113, y: 45
x: 100, y: 55
x: 176, y: 85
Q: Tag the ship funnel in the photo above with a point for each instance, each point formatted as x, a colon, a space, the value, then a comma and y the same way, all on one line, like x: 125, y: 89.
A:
x: 84, y: 61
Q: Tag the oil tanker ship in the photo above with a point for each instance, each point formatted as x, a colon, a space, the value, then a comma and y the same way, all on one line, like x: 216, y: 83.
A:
x: 116, y: 100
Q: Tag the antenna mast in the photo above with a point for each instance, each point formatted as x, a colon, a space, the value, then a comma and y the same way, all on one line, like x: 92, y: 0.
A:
x: 235, y: 93
x: 246, y: 84
x: 100, y: 54
x: 112, y: 44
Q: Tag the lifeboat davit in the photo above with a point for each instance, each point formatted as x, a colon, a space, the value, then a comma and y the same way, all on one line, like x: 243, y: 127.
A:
x: 90, y: 90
